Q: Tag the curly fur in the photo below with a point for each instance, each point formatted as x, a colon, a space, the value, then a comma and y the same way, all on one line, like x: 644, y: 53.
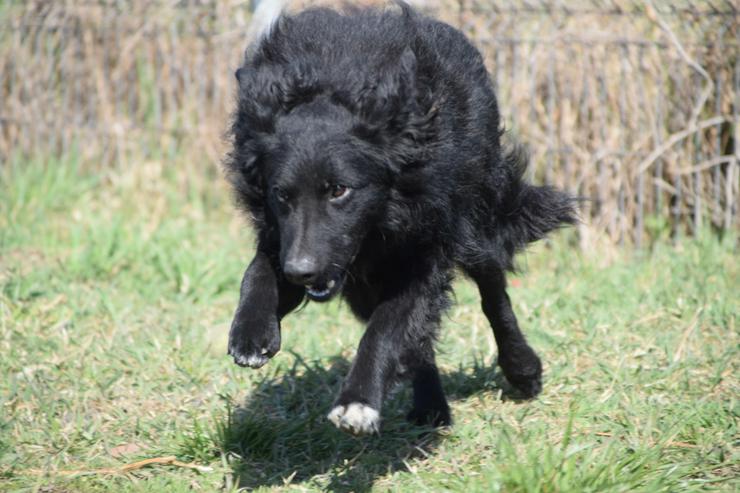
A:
x: 402, y: 107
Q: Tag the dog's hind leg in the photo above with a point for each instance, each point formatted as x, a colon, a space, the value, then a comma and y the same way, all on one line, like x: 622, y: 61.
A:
x: 517, y: 359
x: 430, y: 404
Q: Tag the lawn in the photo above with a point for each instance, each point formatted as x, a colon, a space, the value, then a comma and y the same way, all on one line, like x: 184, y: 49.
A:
x: 117, y: 288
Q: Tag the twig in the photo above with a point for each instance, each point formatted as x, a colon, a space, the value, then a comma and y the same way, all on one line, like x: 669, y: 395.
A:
x: 648, y: 318
x: 127, y: 468
x: 685, y: 337
x: 677, y: 137
x: 652, y: 14
x: 709, y: 163
x: 681, y: 444
x: 670, y: 443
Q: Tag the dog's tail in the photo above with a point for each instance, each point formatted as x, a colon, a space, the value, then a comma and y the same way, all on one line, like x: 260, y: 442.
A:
x: 531, y: 212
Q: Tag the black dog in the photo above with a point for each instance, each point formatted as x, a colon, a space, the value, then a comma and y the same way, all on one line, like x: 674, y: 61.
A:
x: 366, y: 150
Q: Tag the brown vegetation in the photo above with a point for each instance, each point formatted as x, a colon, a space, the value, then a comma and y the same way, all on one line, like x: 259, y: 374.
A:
x: 633, y: 106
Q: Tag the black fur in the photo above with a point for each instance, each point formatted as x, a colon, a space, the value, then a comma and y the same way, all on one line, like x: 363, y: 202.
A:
x: 366, y: 148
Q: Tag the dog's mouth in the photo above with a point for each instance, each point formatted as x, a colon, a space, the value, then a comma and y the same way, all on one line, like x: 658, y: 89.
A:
x: 324, y: 291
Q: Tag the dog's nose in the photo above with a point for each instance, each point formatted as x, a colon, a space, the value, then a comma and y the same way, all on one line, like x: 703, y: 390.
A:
x: 301, y: 270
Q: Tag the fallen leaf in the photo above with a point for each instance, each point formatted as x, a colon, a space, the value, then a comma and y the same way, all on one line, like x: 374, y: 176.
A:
x: 125, y: 449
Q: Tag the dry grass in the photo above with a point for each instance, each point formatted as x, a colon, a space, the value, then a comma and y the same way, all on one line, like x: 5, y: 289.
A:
x: 635, y: 107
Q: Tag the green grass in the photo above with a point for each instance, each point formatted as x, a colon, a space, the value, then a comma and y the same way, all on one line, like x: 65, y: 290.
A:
x: 117, y: 288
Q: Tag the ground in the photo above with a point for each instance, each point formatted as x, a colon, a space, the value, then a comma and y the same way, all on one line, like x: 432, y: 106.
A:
x: 117, y: 288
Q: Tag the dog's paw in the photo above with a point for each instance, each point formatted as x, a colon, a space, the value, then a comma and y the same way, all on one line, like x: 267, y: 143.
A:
x: 356, y: 418
x: 430, y: 417
x: 253, y: 360
x: 253, y: 355
x: 254, y: 348
x: 529, y: 386
x: 523, y: 370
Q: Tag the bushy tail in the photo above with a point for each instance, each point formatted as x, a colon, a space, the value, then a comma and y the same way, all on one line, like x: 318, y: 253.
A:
x: 540, y: 210
x: 532, y: 211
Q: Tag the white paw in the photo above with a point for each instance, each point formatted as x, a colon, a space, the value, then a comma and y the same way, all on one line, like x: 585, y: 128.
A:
x: 256, y: 361
x: 356, y: 418
x: 252, y: 361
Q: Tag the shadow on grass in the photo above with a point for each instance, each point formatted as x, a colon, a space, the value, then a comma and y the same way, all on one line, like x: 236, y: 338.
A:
x: 281, y: 433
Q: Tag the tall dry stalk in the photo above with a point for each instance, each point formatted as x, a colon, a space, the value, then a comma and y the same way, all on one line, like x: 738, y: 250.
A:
x: 634, y: 106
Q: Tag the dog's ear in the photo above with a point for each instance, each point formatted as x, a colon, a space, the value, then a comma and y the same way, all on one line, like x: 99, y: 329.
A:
x: 243, y: 162
x: 385, y: 96
x: 250, y: 130
x: 399, y: 82
x: 244, y: 170
x: 392, y: 113
x: 239, y: 74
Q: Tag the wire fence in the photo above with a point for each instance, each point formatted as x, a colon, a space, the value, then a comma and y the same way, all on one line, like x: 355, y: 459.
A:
x: 634, y: 106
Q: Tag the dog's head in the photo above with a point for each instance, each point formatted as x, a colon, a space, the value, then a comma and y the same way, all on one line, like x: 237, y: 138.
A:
x: 316, y: 158
x: 324, y: 191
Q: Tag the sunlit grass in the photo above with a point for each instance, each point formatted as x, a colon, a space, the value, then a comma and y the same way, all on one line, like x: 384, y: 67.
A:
x: 117, y: 288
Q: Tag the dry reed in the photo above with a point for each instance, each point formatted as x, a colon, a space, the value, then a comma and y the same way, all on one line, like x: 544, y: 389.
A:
x: 632, y: 105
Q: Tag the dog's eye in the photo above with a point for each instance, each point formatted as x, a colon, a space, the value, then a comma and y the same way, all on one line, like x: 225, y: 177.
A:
x: 338, y: 191
x: 280, y: 194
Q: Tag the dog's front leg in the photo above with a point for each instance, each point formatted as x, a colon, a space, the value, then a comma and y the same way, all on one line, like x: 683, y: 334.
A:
x: 395, y: 330
x: 265, y: 297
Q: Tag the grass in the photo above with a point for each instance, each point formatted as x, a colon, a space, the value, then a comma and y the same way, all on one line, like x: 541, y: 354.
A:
x: 117, y: 288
